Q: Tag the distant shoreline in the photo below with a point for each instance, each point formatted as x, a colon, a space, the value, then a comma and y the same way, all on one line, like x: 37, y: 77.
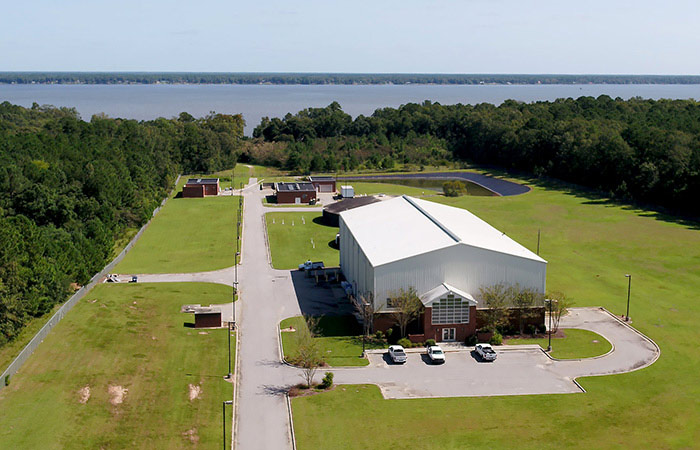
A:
x: 194, y: 78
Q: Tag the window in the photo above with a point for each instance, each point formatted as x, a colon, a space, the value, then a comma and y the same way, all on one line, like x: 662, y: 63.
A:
x: 450, y: 310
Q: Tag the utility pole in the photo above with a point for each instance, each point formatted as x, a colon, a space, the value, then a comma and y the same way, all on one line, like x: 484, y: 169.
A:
x: 629, y: 288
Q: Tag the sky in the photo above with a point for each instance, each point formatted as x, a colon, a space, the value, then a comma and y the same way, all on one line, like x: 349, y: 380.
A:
x: 378, y: 36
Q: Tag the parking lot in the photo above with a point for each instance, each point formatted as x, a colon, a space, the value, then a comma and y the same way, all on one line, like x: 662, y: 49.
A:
x: 517, y: 371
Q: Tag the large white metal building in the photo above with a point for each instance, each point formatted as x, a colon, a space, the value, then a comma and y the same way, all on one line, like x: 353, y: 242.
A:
x: 407, y: 242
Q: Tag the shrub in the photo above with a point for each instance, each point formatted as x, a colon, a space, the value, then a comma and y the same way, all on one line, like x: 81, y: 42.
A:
x: 531, y: 329
x: 542, y: 328
x: 7, y: 380
x: 404, y: 342
x: 497, y: 339
x: 471, y: 340
x: 327, y: 381
x: 379, y: 335
x: 429, y: 342
x: 454, y: 188
x: 389, y: 332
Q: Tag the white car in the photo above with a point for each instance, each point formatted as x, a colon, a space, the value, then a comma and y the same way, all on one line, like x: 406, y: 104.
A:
x: 397, y: 354
x: 486, y: 352
x: 436, y: 355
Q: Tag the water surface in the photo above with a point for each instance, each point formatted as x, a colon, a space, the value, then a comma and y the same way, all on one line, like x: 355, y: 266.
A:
x: 144, y: 102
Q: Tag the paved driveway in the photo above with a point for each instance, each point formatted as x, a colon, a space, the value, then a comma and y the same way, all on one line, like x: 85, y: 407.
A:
x: 515, y: 372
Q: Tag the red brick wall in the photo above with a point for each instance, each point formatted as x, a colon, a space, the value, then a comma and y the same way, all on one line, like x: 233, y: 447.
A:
x: 211, y: 189
x: 290, y: 196
x: 212, y: 320
x: 462, y: 330
x: 193, y: 191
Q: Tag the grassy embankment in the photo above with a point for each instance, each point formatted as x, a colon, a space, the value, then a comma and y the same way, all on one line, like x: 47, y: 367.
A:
x: 293, y: 240
x: 590, y: 244
x: 129, y: 336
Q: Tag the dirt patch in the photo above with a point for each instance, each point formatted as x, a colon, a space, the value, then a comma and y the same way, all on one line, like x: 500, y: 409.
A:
x: 191, y: 435
x: 92, y: 301
x: 84, y: 394
x: 203, y: 332
x: 195, y: 391
x: 300, y: 390
x: 288, y: 330
x: 117, y: 394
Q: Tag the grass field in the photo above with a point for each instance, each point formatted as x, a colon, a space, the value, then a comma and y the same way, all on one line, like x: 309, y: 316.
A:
x: 575, y: 344
x: 133, y: 336
x: 187, y: 235
x: 291, y: 241
x: 590, y: 244
x: 341, y: 345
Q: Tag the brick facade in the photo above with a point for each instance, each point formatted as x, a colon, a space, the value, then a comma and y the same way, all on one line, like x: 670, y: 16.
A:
x: 291, y: 196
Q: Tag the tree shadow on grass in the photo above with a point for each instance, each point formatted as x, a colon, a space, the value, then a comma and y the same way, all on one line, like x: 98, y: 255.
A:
x: 596, y: 197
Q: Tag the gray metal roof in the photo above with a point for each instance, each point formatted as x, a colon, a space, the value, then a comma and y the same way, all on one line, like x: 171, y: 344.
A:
x: 202, y: 181
x: 295, y: 187
x: 321, y: 179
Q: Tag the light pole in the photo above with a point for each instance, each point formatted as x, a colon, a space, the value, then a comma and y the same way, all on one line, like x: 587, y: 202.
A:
x: 629, y: 287
x: 549, y: 345
x: 228, y: 331
x: 223, y: 418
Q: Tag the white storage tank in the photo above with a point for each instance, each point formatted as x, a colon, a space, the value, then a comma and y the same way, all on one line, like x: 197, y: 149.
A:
x: 347, y: 192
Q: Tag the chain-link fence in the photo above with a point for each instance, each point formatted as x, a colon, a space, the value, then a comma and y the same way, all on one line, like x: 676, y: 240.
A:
x: 67, y: 306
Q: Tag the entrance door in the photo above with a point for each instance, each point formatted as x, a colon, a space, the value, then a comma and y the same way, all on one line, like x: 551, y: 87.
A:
x: 448, y: 334
x: 297, y: 201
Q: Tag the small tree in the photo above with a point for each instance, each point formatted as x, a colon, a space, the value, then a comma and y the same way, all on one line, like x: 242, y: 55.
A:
x: 308, y: 356
x: 523, y: 299
x: 560, y: 306
x: 495, y: 298
x: 406, y: 307
x: 454, y: 188
x: 364, y: 306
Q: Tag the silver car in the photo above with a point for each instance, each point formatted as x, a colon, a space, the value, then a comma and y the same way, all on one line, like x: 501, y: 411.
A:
x: 397, y: 354
x: 486, y: 352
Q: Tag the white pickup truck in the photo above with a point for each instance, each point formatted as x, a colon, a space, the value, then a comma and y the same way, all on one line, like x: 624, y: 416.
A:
x: 309, y: 265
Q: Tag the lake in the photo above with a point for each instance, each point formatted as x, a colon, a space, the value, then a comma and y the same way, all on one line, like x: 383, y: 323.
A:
x: 143, y: 102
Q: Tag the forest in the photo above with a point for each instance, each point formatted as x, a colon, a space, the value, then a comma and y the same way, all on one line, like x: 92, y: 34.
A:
x: 70, y: 188
x: 329, y: 78
x: 637, y: 150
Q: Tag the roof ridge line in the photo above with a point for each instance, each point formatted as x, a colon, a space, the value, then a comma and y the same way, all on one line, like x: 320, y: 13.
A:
x: 437, y: 223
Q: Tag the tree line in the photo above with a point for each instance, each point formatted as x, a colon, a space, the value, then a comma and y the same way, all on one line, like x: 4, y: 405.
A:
x: 635, y: 150
x: 69, y: 188
x: 329, y: 78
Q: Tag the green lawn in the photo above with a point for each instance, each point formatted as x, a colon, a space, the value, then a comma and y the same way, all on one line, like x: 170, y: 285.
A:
x: 590, y: 244
x: 187, y: 235
x: 128, y: 335
x: 341, y: 347
x: 575, y: 344
x: 291, y: 242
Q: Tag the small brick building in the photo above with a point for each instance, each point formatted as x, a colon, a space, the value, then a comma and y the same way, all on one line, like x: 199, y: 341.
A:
x: 323, y: 184
x: 207, y: 317
x: 201, y: 187
x: 297, y: 193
